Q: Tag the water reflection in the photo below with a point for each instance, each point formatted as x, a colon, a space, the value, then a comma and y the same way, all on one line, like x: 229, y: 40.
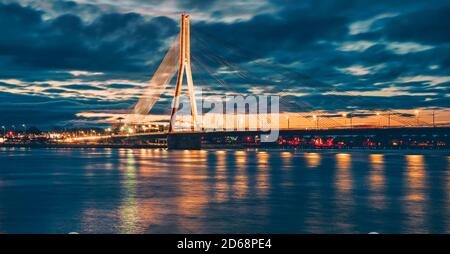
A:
x: 415, y: 193
x: 159, y: 191
x: 447, y: 179
x: 129, y: 208
x: 312, y: 159
x: 376, y: 181
x: 262, y: 177
x: 241, y: 183
x: 344, y: 179
x: 192, y: 194
x: 415, y: 169
x: 220, y: 188
x: 344, y: 197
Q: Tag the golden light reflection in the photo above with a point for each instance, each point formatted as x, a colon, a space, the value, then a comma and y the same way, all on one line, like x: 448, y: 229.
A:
x: 193, y: 189
x: 344, y: 180
x: 263, y: 159
x: 221, y: 186
x: 262, y: 177
x: 376, y: 180
x: 144, y: 153
x: 344, y: 195
x: 415, y: 176
x: 190, y: 184
x: 415, y: 196
x: 241, y: 158
x: 240, y: 186
x: 286, y: 155
x: 343, y: 161
x: 153, y: 162
x: 128, y: 210
x: 377, y: 161
x: 376, y: 175
x: 188, y: 159
x: 287, y: 161
x: 312, y: 159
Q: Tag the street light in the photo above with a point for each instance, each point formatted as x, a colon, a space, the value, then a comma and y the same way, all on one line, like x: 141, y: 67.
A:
x: 379, y: 122
x: 417, y: 116
x: 344, y: 115
x: 351, y: 121
x: 287, y: 117
x: 434, y: 123
x: 315, y: 118
x: 24, y: 128
x: 4, y: 130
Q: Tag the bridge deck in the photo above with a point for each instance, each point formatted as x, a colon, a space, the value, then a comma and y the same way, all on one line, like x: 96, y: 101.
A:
x: 304, y: 132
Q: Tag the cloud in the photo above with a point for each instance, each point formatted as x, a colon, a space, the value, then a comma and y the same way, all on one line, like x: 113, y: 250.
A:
x: 406, y: 47
x: 99, y: 55
x: 367, y: 25
x: 84, y: 73
x: 358, y: 70
x: 111, y: 42
x: 358, y: 46
x: 428, y: 25
x: 432, y: 80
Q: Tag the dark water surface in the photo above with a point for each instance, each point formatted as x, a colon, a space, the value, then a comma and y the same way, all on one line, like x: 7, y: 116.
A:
x: 158, y: 191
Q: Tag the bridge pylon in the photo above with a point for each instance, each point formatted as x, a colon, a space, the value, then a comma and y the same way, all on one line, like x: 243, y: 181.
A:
x: 184, y: 68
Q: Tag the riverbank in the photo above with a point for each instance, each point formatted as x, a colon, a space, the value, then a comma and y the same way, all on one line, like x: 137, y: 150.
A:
x: 67, y: 145
x: 228, y: 146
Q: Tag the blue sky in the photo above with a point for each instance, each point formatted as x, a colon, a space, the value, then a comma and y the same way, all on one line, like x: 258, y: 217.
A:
x: 60, y: 58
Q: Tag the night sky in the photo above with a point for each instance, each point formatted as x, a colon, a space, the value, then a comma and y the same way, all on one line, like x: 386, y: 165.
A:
x: 62, y: 58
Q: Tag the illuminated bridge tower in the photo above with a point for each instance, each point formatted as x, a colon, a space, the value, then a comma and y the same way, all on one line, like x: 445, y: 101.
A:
x: 184, y: 67
x: 184, y: 140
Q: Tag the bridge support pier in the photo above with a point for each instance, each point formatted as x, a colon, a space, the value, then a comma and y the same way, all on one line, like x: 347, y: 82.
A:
x: 184, y: 141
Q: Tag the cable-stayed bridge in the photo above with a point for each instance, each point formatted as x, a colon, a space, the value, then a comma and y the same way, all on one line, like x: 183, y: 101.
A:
x: 187, y: 128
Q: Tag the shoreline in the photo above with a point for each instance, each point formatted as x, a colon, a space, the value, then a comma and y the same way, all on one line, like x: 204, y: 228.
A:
x: 79, y: 146
x: 223, y: 147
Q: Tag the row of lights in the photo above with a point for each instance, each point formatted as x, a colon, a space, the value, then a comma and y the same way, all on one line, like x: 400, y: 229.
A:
x: 14, y: 127
x: 315, y: 117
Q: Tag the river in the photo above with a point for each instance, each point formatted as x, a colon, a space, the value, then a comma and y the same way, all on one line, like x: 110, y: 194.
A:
x: 223, y: 191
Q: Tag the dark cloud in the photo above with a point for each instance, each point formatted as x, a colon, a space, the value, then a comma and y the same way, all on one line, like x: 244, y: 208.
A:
x: 112, y: 42
x: 427, y: 25
x: 265, y: 35
x: 188, y: 5
x: 83, y: 87
x: 119, y: 86
x: 73, y: 7
x: 292, y: 47
x: 46, y: 112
